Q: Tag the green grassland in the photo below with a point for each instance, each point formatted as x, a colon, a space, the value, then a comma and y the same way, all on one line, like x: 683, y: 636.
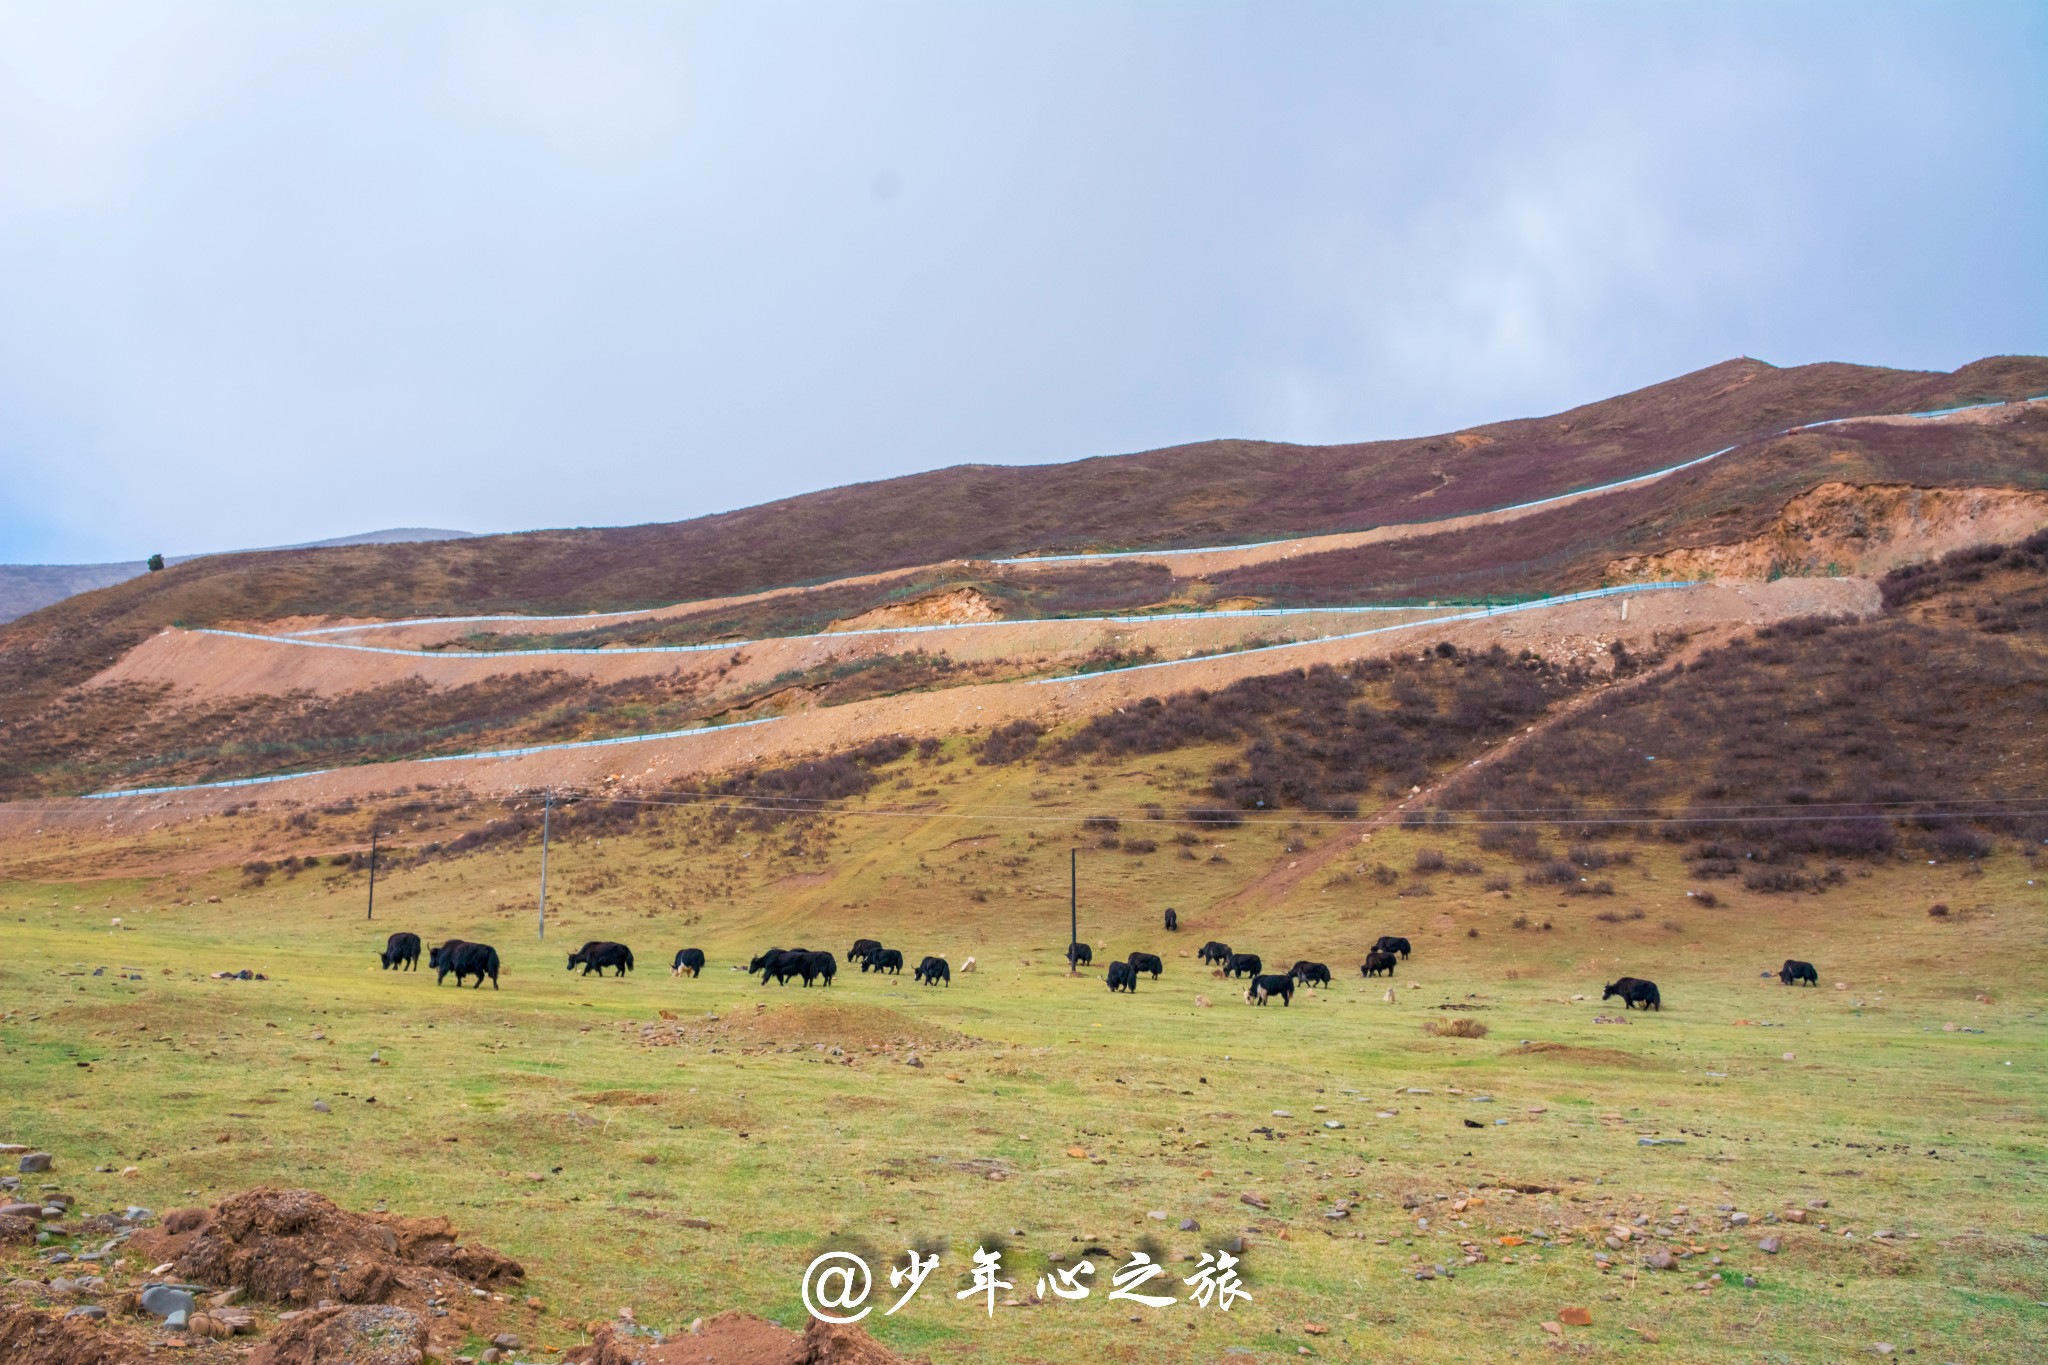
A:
x: 546, y: 1120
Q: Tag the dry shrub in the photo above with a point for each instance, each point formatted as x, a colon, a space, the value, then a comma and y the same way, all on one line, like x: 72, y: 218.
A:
x: 1454, y: 1028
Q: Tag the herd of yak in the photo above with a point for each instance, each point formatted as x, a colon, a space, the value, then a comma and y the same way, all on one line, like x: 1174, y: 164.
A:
x: 480, y: 960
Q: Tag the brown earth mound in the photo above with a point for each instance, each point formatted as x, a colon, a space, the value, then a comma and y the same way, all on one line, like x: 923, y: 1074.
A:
x: 740, y: 1339
x: 297, y: 1247
x: 28, y: 1337
x: 372, y: 1335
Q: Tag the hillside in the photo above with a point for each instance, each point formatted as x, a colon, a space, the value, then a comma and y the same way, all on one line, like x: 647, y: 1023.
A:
x: 31, y: 587
x: 1209, y: 493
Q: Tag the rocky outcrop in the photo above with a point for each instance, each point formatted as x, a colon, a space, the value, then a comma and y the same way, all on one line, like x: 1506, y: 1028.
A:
x: 1861, y: 529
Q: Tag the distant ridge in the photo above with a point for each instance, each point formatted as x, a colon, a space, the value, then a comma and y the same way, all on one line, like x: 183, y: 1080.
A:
x: 30, y: 587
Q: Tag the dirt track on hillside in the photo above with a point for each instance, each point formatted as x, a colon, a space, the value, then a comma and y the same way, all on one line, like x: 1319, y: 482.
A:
x: 1189, y: 565
x: 204, y: 666
x: 1576, y: 631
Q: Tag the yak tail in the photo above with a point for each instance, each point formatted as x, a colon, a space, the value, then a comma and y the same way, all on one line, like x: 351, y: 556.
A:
x: 629, y: 959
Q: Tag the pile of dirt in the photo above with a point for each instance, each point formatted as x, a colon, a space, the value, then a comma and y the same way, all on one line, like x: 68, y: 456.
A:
x: 849, y: 1027
x: 28, y: 1337
x: 298, y: 1247
x: 372, y: 1335
x: 739, y: 1339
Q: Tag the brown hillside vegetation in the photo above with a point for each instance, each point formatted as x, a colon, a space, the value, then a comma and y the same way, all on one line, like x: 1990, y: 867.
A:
x: 1813, y: 739
x: 1198, y: 494
x: 1731, y: 501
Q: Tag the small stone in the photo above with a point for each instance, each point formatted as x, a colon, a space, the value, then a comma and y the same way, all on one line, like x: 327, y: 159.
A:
x: 1283, y: 1113
x: 1575, y: 1316
x: 1661, y: 1260
x: 91, y: 1312
x: 1769, y: 1246
x: 1257, y: 1201
x: 164, y: 1301
x: 1794, y: 1215
x: 321, y: 1107
x: 1749, y: 1281
x: 35, y: 1163
x: 1190, y: 1225
x: 1332, y: 1123
x: 1157, y: 1215
x: 1555, y: 1329
x: 913, y: 1060
x: 1738, y: 1220
x: 505, y: 1341
x: 1883, y: 1348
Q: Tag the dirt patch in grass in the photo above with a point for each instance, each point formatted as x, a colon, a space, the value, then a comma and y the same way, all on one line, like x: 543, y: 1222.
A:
x: 851, y: 1027
x: 739, y: 1339
x: 622, y: 1098
x: 1579, y: 1056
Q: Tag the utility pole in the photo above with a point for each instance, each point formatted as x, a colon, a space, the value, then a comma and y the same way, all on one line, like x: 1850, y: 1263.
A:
x: 546, y: 810
x: 1073, y: 909
x: 372, y: 912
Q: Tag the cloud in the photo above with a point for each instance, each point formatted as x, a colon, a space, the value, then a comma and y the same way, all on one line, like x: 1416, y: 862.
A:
x: 272, y: 273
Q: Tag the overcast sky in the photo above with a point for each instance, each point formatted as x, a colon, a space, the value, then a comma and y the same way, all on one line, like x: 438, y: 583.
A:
x: 271, y: 272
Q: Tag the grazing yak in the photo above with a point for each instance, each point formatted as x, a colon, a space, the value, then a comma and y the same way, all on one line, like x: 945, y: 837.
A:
x: 403, y: 952
x: 1123, y: 977
x: 1263, y: 988
x: 1390, y: 943
x: 1146, y: 962
x: 689, y: 960
x: 780, y: 963
x: 881, y: 960
x: 861, y: 948
x: 1633, y: 992
x: 464, y: 959
x: 812, y: 966
x: 1377, y: 962
x: 1795, y: 971
x: 1243, y: 964
x: 1214, y: 953
x: 1079, y: 955
x: 932, y: 971
x: 1310, y: 973
x: 599, y: 954
x: 1172, y: 921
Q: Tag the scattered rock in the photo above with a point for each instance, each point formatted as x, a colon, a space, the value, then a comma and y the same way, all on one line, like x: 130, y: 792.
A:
x: 1202, y: 1002
x: 35, y: 1163
x: 1575, y: 1316
x: 1190, y: 1225
x: 91, y: 1312
x: 1661, y: 1259
x: 321, y: 1107
x: 1769, y: 1246
x: 1555, y: 1329
x: 167, y: 1301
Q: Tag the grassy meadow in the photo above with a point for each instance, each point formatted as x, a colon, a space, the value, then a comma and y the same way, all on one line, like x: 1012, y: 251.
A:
x: 586, y: 1126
